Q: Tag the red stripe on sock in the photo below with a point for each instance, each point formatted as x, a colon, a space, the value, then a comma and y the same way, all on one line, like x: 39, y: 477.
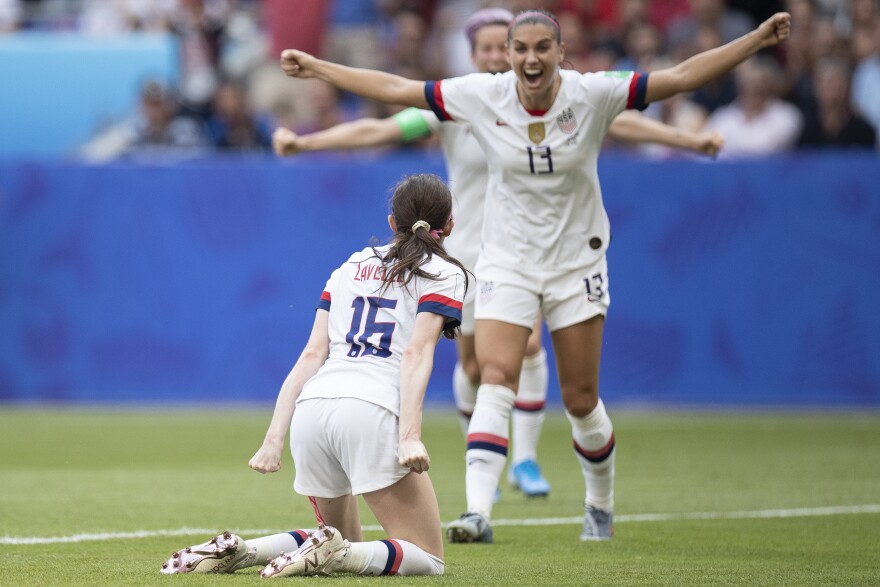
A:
x: 595, y: 454
x: 398, y: 558
x: 529, y: 406
x: 485, y: 437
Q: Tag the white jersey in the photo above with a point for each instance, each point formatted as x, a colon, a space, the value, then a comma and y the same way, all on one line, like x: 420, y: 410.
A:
x: 543, y: 201
x: 369, y: 327
x: 468, y: 175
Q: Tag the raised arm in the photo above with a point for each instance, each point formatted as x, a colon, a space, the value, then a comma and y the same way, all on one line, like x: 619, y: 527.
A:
x: 415, y: 370
x: 357, y: 134
x: 375, y: 85
x: 268, y: 458
x: 636, y: 128
x: 704, y: 67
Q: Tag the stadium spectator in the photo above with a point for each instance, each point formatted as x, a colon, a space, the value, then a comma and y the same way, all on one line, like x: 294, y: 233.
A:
x: 758, y: 122
x: 832, y: 123
x: 866, y: 82
x: 729, y: 23
x: 115, y: 17
x: 863, y: 15
x: 10, y: 16
x: 199, y: 25
x: 550, y: 229
x: 158, y: 127
x: 233, y: 126
x: 718, y: 92
x: 353, y: 406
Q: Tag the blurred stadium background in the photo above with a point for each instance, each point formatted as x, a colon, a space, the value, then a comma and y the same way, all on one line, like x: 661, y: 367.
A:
x: 154, y: 250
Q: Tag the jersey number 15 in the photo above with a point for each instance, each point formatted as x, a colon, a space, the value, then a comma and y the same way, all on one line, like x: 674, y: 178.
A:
x: 360, y: 344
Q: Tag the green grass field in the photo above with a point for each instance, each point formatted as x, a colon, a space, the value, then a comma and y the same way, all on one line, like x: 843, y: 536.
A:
x: 82, y: 473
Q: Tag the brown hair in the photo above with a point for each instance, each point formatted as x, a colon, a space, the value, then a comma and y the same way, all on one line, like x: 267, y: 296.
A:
x: 419, y: 197
x: 535, y: 17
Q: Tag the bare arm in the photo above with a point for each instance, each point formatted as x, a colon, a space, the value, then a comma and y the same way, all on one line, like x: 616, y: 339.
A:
x: 415, y: 370
x: 704, y: 67
x: 636, y: 128
x: 357, y: 134
x: 268, y: 458
x: 375, y: 85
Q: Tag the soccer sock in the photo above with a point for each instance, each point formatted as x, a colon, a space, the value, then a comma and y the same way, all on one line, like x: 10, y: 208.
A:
x: 594, y: 445
x: 487, y: 446
x: 465, y: 394
x: 528, y: 410
x: 391, y: 557
x: 268, y: 547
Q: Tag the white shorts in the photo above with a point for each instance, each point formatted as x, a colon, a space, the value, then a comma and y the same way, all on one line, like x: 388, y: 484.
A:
x: 564, y: 296
x: 467, y: 308
x: 343, y: 446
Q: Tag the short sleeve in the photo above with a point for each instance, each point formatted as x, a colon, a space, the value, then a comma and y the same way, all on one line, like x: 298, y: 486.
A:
x: 612, y: 92
x: 455, y: 98
x: 329, y: 289
x: 444, y: 295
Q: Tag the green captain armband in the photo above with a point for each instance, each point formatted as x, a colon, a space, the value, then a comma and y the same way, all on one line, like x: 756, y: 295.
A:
x: 412, y: 124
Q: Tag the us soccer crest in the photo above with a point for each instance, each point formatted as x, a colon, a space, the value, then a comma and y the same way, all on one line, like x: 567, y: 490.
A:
x: 536, y: 132
x: 566, y: 121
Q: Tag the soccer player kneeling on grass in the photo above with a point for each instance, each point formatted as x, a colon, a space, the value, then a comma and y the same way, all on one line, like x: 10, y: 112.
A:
x: 353, y: 404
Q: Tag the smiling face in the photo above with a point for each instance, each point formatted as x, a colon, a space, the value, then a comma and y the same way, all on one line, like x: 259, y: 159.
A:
x: 489, y: 52
x: 535, y: 54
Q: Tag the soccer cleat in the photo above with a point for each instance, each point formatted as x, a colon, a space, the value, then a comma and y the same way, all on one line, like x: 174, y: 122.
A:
x: 469, y: 527
x: 224, y: 553
x: 321, y: 554
x: 526, y: 476
x: 597, y: 525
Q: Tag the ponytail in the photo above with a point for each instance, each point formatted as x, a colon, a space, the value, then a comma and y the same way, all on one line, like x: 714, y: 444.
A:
x: 419, y: 203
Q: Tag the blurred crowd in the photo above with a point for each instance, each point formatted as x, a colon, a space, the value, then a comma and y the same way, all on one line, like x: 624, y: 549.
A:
x: 820, y: 90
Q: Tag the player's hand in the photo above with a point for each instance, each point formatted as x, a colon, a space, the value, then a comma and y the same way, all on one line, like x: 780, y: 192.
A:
x: 710, y: 143
x: 775, y: 29
x: 297, y: 63
x: 413, y: 454
x: 267, y: 459
x: 285, y: 142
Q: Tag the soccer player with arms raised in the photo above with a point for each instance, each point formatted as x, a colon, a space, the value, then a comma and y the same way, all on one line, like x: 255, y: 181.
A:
x: 541, y: 128
x: 486, y: 31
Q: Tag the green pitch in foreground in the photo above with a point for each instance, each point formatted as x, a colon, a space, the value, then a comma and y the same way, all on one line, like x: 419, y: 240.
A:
x: 784, y: 500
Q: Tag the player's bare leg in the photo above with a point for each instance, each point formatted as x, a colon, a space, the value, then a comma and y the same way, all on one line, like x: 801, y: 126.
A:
x: 341, y: 513
x: 465, y: 380
x: 523, y: 471
x: 578, y: 350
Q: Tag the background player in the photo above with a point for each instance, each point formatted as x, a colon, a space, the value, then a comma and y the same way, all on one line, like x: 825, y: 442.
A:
x: 353, y: 404
x: 486, y: 31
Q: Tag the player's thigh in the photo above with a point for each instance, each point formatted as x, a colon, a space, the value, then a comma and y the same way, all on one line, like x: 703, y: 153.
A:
x: 535, y: 342
x: 500, y: 348
x: 408, y: 511
x: 578, y: 350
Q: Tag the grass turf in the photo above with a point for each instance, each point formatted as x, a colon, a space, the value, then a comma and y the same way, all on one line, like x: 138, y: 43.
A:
x: 67, y: 472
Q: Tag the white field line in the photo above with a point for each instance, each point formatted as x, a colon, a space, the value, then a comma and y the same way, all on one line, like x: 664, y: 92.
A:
x: 757, y: 514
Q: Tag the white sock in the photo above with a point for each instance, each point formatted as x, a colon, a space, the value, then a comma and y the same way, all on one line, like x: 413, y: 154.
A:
x: 465, y: 394
x: 528, y: 410
x: 391, y: 557
x: 594, y: 445
x: 268, y: 547
x: 487, y: 446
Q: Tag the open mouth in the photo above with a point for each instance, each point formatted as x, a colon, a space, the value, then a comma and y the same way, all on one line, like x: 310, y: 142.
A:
x: 533, y: 76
